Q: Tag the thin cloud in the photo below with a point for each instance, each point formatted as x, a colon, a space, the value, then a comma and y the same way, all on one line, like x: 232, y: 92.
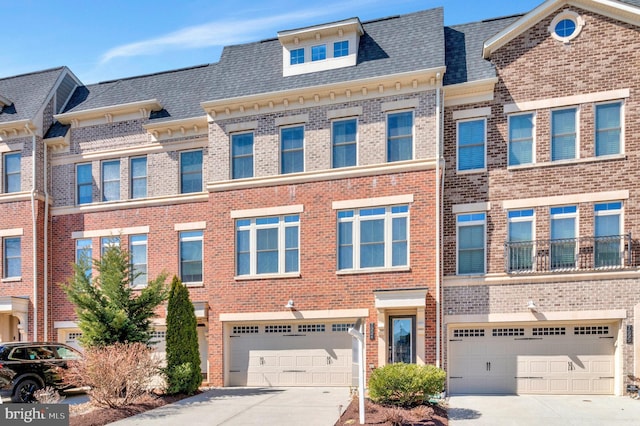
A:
x: 217, y: 33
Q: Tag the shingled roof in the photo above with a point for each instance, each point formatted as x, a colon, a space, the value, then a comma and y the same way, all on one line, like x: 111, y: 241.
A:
x: 388, y: 46
x: 28, y: 93
x: 464, y: 49
x: 391, y: 45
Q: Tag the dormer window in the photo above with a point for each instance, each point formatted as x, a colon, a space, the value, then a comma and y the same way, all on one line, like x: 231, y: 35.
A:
x: 340, y: 48
x: 321, y: 47
x: 297, y: 56
x: 319, y: 53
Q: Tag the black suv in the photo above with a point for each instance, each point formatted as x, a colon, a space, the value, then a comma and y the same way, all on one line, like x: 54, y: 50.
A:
x: 26, y: 367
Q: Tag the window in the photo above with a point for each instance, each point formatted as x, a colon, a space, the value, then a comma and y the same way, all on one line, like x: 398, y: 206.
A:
x: 400, y: 136
x: 471, y: 243
x: 296, y: 56
x: 108, y: 242
x: 520, y: 139
x: 111, y: 180
x: 319, y: 53
x: 138, y: 251
x: 292, y: 149
x: 608, y: 242
x: 191, y: 256
x: 563, y: 134
x: 268, y: 245
x: 12, y: 257
x: 12, y: 172
x: 520, y: 240
x: 565, y: 28
x: 190, y: 171
x: 84, y: 255
x: 242, y: 155
x: 84, y: 183
x: 139, y: 177
x: 373, y: 238
x: 340, y: 48
x: 343, y: 135
x: 471, y: 144
x: 563, y: 237
x: 608, y: 129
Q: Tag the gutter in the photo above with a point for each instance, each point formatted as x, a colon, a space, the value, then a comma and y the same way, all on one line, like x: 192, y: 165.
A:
x: 35, y: 232
x: 46, y: 244
x: 439, y: 179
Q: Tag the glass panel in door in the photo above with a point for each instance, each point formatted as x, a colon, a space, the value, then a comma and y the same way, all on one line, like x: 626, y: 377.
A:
x: 402, y: 339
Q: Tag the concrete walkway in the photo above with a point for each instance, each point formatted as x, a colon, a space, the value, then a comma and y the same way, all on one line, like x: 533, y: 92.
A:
x: 552, y: 410
x: 250, y: 406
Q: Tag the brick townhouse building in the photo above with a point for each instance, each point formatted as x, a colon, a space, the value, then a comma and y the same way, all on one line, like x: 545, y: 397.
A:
x: 310, y: 182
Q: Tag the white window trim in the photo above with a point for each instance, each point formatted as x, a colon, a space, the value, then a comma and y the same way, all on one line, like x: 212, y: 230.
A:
x: 267, y: 211
x: 131, y: 178
x: 76, y: 248
x: 253, y: 153
x: 253, y: 248
x: 622, y: 127
x: 189, y: 226
x: 102, y: 180
x: 6, y: 278
x: 113, y: 232
x: 3, y: 181
x: 292, y: 120
x: 104, y: 244
x: 146, y: 248
x: 567, y: 101
x: 616, y: 212
x: 13, y: 232
x: 572, y: 16
x: 577, y: 127
x: 533, y: 136
x: 472, y: 223
x: 182, y: 239
x: 180, y: 170
x: 76, y: 201
x: 304, y: 147
x: 247, y: 126
x: 575, y: 216
x: 413, y: 131
x: 388, y: 239
x: 345, y: 113
x: 357, y: 139
x: 531, y: 219
x: 372, y: 202
x: 470, y: 171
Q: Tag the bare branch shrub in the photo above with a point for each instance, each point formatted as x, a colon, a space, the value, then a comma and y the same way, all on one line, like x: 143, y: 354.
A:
x: 117, y: 375
x: 48, y: 395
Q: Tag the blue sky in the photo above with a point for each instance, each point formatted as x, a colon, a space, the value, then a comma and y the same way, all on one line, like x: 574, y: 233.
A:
x: 120, y: 38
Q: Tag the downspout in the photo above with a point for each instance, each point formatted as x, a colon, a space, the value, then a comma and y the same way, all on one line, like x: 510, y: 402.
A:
x: 46, y: 245
x: 34, y: 233
x: 438, y: 218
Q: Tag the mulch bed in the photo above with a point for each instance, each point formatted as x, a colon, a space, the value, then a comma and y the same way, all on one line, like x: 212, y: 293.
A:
x: 423, y: 415
x: 88, y: 415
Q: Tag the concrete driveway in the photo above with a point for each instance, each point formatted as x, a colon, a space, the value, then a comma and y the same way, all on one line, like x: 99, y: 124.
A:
x: 552, y: 410
x: 250, y: 406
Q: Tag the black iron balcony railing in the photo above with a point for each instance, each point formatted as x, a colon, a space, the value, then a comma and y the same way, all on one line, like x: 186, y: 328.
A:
x: 569, y: 254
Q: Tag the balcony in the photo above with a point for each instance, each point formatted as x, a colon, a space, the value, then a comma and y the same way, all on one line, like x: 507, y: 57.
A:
x: 572, y: 254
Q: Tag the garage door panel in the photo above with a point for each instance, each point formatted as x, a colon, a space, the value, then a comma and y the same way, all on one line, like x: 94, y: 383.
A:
x: 563, y: 359
x: 280, y: 356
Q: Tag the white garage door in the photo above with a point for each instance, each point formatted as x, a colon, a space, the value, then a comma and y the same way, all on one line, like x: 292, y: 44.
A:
x: 558, y: 359
x: 294, y: 354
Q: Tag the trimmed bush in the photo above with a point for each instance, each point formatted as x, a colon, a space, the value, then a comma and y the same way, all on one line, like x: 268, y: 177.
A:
x: 405, y: 385
x: 183, y: 355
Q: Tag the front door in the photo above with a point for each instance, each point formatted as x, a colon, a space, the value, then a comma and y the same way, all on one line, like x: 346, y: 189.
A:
x: 402, y: 342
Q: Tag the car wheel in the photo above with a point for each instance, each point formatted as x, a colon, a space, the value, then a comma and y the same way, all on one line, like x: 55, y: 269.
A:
x: 24, y: 391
